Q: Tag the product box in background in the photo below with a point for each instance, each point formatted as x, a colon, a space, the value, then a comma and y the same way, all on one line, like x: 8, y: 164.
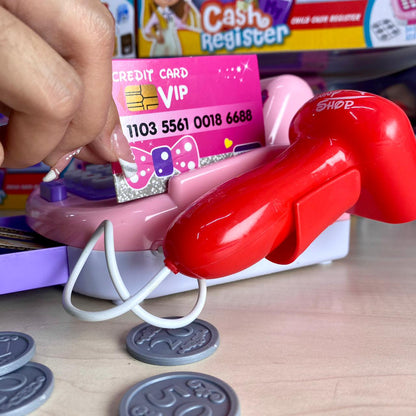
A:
x: 17, y: 184
x: 196, y: 27
x: 183, y: 113
x: 124, y: 15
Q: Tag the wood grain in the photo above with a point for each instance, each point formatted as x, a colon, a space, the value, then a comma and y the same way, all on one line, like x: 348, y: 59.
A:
x: 335, y: 339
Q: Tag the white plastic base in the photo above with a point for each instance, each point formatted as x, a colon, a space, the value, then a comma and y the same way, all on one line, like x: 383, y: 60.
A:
x: 138, y: 267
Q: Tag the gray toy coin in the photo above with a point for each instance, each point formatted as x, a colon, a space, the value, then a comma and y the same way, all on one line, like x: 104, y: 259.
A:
x: 24, y: 390
x: 16, y: 349
x: 180, y: 394
x: 186, y: 345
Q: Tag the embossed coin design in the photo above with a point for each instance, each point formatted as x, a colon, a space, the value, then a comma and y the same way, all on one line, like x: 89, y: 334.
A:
x: 186, y: 345
x: 16, y: 349
x: 25, y: 389
x: 180, y: 394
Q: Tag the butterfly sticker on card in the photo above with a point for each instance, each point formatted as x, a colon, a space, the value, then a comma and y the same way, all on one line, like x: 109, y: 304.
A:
x: 165, y: 161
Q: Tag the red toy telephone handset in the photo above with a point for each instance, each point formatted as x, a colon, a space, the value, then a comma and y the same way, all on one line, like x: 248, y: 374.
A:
x: 349, y: 150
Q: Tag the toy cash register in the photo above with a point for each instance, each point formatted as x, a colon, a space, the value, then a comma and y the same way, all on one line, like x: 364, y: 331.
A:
x: 62, y: 213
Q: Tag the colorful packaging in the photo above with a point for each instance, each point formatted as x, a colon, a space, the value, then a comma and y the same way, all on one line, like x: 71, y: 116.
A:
x: 124, y: 15
x: 183, y: 113
x: 195, y: 27
x: 17, y: 184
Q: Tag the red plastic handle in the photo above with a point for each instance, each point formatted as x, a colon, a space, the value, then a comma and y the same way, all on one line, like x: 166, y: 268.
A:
x: 350, y: 150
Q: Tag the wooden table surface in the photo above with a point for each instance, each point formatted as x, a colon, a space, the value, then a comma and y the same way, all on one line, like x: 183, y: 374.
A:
x: 336, y: 339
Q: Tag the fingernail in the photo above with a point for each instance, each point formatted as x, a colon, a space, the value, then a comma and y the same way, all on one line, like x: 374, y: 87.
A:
x: 51, y: 176
x: 129, y: 170
x: 124, y: 154
x: 60, y: 165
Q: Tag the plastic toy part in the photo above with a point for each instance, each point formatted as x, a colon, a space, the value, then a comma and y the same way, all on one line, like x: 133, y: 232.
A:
x: 95, y: 182
x: 17, y: 350
x: 180, y: 393
x: 159, y: 346
x: 281, y: 102
x: 25, y: 389
x: 350, y: 151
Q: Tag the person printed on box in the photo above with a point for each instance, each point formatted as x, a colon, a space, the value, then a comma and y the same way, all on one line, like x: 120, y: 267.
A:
x: 161, y: 21
x: 56, y: 85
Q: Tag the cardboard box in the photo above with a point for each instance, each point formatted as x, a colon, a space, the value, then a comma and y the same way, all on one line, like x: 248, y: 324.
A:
x: 17, y: 184
x: 124, y: 15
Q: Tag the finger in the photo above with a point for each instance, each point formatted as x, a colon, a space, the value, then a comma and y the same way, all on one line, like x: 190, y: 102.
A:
x: 103, y: 149
x: 40, y: 87
x: 111, y: 145
x: 103, y: 146
x: 83, y: 32
x: 4, y: 109
x: 1, y: 151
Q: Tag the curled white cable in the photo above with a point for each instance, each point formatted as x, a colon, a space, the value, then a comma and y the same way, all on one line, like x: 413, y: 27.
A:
x: 130, y: 303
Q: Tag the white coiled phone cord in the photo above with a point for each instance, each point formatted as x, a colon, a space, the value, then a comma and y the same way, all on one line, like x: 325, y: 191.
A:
x: 130, y: 303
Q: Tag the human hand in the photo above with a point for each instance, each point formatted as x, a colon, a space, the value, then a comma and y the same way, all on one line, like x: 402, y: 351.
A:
x: 55, y: 84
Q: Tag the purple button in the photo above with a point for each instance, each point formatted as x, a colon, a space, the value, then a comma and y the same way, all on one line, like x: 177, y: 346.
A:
x: 53, y: 191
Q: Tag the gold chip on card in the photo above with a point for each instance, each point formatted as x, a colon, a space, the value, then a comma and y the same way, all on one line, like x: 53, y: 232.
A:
x: 141, y: 97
